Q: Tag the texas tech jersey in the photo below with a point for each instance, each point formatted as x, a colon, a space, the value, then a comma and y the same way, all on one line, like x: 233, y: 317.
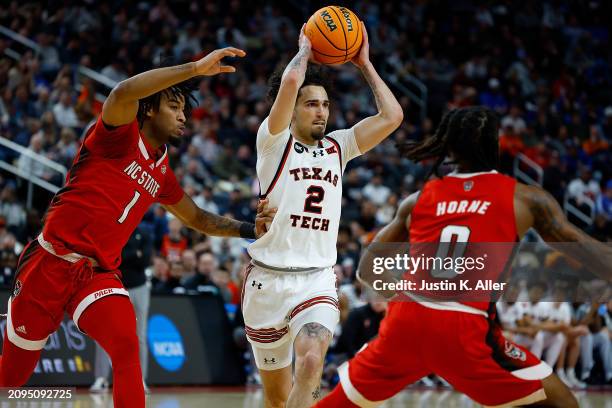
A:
x: 467, y: 216
x: 114, y: 179
x: 305, y: 184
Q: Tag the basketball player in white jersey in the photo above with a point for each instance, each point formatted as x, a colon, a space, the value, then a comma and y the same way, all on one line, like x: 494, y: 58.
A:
x: 290, y: 301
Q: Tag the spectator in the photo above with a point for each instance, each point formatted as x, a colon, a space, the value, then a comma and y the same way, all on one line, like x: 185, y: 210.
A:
x: 202, y: 281
x: 592, y: 315
x: 64, y: 112
x: 376, y: 191
x: 173, y: 243
x: 583, y: 188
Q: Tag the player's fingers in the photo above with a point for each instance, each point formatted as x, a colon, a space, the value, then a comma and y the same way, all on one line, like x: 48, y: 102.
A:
x: 233, y: 52
x: 364, y: 31
x: 226, y: 68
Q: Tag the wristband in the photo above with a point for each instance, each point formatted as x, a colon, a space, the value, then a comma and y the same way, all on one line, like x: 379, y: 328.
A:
x: 247, y: 230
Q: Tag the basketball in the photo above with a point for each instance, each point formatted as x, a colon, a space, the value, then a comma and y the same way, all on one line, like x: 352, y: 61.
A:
x: 335, y: 34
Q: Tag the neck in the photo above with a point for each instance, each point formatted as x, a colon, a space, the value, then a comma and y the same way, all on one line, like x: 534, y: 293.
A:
x: 148, y: 133
x: 307, y: 140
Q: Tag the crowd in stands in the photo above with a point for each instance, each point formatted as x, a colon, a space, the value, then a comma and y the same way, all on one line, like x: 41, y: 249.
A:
x: 545, y: 67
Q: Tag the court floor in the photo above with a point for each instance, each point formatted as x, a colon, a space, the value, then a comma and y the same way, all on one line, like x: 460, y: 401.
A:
x: 240, y: 397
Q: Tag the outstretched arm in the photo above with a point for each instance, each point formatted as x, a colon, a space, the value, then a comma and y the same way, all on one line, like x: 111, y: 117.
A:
x: 211, y: 224
x: 291, y: 81
x: 547, y: 218
x: 121, y: 106
x: 394, y: 232
x: 374, y: 129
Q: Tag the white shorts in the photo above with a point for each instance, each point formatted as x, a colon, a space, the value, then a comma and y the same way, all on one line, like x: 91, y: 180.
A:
x: 276, y: 305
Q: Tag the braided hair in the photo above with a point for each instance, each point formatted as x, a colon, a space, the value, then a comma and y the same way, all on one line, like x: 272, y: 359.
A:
x: 470, y: 134
x: 182, y: 89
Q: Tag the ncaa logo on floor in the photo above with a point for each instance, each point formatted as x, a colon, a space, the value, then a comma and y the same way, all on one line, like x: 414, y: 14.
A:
x: 165, y: 343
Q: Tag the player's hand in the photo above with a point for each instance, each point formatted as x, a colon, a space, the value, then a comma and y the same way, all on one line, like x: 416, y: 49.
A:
x: 304, y: 42
x: 264, y: 217
x: 363, y: 56
x: 211, y: 64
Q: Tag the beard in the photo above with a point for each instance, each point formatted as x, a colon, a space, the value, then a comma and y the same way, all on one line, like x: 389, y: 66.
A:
x: 318, y: 134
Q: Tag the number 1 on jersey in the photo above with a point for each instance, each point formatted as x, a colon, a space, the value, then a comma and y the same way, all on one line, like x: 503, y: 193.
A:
x: 128, y: 207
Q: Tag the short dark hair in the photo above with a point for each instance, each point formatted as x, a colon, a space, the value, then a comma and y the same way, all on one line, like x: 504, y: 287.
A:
x: 182, y: 89
x: 470, y: 134
x: 315, y: 75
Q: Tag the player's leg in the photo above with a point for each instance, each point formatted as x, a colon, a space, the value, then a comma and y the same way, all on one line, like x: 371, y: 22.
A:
x: 274, y: 366
x: 35, y: 310
x: 557, y: 394
x: 310, y: 347
x: 112, y: 323
x: 386, y: 365
x: 141, y: 297
x: 495, y: 372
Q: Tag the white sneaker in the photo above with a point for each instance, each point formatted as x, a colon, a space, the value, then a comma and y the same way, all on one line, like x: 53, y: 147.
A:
x: 99, y: 386
x: 561, y: 374
x: 571, y: 376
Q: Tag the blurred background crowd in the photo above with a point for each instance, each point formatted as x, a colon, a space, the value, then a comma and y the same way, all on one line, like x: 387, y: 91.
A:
x: 545, y: 67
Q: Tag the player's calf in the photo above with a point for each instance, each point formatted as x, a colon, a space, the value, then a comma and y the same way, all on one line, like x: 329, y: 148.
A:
x: 310, y: 347
x: 557, y: 394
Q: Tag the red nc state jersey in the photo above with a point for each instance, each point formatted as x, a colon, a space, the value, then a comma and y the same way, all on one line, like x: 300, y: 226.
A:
x: 469, y: 216
x: 114, y: 179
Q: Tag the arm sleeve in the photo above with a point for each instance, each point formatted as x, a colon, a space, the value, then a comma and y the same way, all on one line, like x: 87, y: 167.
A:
x: 109, y: 141
x: 348, y: 144
x: 172, y: 192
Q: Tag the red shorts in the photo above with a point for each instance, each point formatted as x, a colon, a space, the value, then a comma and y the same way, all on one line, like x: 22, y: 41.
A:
x: 467, y: 350
x: 45, y: 287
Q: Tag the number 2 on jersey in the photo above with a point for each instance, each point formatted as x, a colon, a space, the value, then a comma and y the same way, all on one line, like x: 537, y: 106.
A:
x: 313, y: 200
x: 128, y: 207
x: 457, y: 234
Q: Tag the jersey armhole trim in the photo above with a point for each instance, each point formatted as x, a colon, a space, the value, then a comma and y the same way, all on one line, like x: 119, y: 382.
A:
x: 331, y: 139
x: 279, y: 169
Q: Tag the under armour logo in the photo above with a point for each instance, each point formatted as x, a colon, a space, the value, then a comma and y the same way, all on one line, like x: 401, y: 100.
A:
x: 317, y: 152
x: 270, y: 361
x: 258, y: 284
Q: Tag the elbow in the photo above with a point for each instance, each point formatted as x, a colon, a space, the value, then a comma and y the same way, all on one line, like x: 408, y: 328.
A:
x: 291, y: 79
x: 396, y: 116
x: 120, y: 92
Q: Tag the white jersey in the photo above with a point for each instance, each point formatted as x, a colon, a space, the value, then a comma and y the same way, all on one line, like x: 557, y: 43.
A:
x: 305, y: 184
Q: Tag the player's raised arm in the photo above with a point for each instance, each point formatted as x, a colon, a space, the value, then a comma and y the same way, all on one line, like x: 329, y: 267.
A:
x: 396, y: 232
x: 211, y: 224
x: 121, y: 106
x: 543, y: 213
x: 291, y: 81
x: 374, y: 129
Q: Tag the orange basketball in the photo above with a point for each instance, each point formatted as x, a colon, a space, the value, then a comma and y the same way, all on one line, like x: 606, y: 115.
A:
x: 335, y: 34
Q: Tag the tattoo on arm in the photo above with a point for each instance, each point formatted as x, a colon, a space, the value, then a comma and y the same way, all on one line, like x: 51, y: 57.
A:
x: 374, y: 87
x: 316, y: 394
x: 553, y: 226
x: 212, y: 224
x: 298, y: 63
